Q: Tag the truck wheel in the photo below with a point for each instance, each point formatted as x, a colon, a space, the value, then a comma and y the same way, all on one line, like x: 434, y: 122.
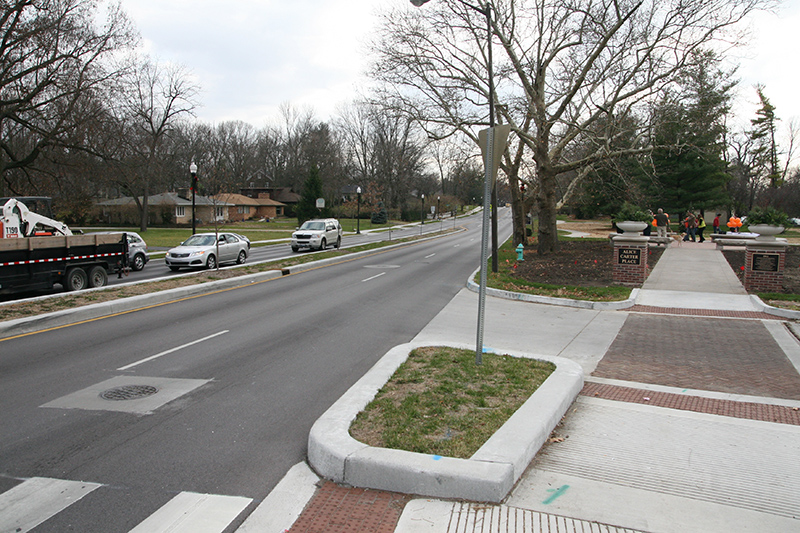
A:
x: 323, y: 244
x: 98, y: 277
x: 138, y: 262
x: 76, y: 279
x: 338, y: 243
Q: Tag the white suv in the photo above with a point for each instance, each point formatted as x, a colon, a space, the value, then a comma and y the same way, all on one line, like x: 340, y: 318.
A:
x: 317, y: 234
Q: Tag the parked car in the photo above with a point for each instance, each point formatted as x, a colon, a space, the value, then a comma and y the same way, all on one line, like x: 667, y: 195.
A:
x: 317, y: 234
x: 137, y: 249
x: 206, y: 250
x: 794, y: 221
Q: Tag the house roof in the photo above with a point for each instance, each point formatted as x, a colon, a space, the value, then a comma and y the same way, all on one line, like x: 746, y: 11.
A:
x: 167, y: 198
x: 240, y: 199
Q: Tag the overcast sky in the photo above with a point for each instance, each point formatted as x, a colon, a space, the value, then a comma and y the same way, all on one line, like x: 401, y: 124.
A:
x: 251, y: 56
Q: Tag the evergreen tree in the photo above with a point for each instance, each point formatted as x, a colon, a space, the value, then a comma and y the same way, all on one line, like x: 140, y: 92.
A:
x: 765, y: 152
x: 312, y: 189
x: 689, y: 132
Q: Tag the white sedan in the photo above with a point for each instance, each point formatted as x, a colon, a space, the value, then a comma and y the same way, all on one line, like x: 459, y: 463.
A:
x: 208, y: 250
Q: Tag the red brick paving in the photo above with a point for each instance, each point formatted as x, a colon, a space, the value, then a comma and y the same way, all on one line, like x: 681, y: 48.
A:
x: 733, y: 356
x: 719, y: 313
x: 780, y: 414
x: 337, y: 509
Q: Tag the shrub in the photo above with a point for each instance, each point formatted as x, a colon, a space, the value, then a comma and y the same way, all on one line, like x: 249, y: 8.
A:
x: 769, y: 216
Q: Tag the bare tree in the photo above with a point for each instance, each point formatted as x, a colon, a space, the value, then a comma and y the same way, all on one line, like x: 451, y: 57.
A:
x: 565, y: 65
x: 56, y: 65
x: 154, y: 99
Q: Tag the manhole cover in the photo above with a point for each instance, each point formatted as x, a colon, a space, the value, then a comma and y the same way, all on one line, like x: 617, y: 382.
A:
x: 128, y: 392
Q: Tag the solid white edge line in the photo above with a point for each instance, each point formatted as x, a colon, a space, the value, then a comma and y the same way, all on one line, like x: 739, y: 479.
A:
x: 156, y: 356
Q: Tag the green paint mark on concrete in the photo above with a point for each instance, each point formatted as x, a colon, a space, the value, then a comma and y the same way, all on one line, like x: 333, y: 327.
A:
x: 556, y: 493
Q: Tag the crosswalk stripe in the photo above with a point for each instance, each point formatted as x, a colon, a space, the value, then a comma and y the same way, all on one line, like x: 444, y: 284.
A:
x: 32, y: 502
x: 189, y: 512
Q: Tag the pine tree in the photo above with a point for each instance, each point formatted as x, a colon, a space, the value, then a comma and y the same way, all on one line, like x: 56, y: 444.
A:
x: 312, y: 189
x: 689, y: 163
x: 765, y: 154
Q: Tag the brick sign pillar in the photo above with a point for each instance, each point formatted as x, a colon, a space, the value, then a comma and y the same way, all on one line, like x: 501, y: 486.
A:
x: 630, y: 259
x: 765, y: 261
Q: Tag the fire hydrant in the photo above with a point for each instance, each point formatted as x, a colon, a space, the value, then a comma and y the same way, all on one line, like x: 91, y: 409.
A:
x: 519, y: 252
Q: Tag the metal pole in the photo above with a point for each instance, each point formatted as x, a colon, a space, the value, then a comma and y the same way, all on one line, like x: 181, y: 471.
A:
x: 487, y: 180
x: 358, y: 211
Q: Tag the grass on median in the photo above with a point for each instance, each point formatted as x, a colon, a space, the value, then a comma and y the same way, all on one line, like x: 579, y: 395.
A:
x: 439, y: 402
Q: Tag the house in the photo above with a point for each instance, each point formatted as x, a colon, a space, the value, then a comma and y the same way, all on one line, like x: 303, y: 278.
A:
x: 247, y: 208
x: 283, y: 195
x: 165, y: 208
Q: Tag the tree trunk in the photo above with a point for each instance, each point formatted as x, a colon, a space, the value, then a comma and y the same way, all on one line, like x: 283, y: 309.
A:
x: 546, y: 206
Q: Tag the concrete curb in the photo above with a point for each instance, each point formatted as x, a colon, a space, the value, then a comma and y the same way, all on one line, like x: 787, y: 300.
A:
x: 777, y: 311
x: 489, y: 475
x: 549, y: 300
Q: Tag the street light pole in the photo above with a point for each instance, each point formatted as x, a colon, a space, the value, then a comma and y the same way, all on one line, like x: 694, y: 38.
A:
x: 358, y: 211
x: 193, y: 172
x: 422, y: 212
x: 487, y: 186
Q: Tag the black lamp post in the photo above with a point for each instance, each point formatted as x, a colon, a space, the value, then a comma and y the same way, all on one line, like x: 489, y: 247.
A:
x: 422, y: 211
x: 193, y: 172
x: 438, y: 200
x: 358, y: 211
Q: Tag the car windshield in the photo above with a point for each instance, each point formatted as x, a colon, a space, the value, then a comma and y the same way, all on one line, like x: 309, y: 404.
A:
x: 199, y: 240
x: 313, y: 225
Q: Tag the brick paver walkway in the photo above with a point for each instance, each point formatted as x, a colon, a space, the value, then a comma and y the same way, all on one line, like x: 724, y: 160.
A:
x: 733, y: 356
x: 780, y: 414
x: 337, y: 509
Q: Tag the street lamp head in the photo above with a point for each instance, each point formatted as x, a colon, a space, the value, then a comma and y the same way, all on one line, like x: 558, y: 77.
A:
x: 418, y: 3
x: 358, y: 190
x: 193, y: 168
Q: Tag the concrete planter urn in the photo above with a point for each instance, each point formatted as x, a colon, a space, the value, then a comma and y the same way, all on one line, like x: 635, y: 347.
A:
x: 632, y: 226
x: 766, y: 232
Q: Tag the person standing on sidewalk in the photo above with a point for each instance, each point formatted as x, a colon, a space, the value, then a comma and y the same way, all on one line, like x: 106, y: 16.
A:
x: 691, y: 227
x: 701, y: 225
x: 662, y: 223
x: 716, y: 223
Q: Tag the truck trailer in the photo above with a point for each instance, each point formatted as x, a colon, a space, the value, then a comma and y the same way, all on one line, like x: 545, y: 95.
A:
x: 37, y: 252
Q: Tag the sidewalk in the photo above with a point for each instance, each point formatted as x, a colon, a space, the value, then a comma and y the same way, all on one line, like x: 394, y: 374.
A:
x: 689, y: 419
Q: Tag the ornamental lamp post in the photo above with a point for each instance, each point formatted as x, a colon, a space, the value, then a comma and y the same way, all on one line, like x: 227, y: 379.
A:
x: 490, y: 164
x: 193, y: 172
x: 358, y: 211
x: 422, y: 212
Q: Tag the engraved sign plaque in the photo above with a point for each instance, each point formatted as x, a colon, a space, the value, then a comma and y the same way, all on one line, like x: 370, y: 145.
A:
x: 630, y: 256
x: 766, y: 262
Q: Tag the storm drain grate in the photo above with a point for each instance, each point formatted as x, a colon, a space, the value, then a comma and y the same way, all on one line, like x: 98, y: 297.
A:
x: 128, y: 392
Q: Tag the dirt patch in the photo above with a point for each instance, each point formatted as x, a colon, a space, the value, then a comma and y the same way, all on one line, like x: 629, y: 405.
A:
x: 583, y: 263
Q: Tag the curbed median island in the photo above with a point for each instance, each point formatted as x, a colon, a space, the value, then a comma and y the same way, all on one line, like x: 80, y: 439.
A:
x: 488, y: 474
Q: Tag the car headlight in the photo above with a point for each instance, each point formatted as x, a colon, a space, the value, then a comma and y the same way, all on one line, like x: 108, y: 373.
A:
x: 195, y: 254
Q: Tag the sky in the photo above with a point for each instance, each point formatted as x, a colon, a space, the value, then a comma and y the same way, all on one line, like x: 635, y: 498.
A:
x: 251, y: 56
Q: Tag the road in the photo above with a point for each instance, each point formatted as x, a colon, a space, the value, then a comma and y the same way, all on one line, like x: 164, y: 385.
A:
x: 272, y: 358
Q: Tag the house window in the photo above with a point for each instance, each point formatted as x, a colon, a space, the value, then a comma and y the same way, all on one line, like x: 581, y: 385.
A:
x: 244, y: 209
x: 180, y: 211
x: 219, y: 213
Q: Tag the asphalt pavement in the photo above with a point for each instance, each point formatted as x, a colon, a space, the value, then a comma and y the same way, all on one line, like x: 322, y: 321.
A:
x: 688, y: 420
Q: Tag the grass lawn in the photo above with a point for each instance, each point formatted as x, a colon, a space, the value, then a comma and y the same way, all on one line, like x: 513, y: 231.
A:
x: 439, y: 402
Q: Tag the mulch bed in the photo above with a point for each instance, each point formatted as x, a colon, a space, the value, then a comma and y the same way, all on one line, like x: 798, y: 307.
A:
x: 582, y: 263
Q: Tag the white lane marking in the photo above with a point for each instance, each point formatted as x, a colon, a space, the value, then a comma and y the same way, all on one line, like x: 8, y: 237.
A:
x: 156, y: 356
x: 373, y: 277
x: 190, y: 512
x: 36, y: 500
x: 429, y: 256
